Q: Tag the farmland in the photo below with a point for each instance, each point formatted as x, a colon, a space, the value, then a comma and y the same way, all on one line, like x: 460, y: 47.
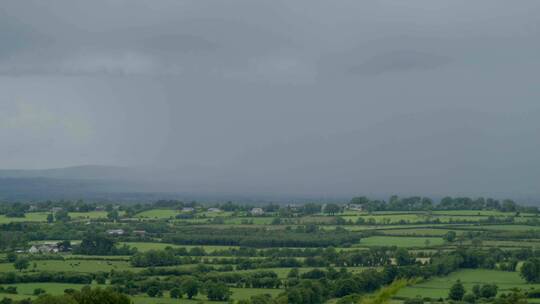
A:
x: 438, y: 287
x: 406, y: 242
x: 150, y: 252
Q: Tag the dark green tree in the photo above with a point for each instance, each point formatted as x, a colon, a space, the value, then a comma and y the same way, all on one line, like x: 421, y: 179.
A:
x: 11, y: 257
x: 21, y: 263
x: 469, y: 298
x: 88, y: 295
x: 414, y: 301
x: 345, y: 287
x: 176, y: 293
x: 39, y: 291
x: 476, y: 290
x: 190, y: 287
x: 154, y: 291
x: 489, y: 291
x: 311, y: 208
x: 332, y: 209
x: 96, y: 244
x: 457, y: 291
x: 217, y: 291
x: 62, y: 216
x: 293, y: 273
x: 530, y: 270
x: 113, y: 215
x: 403, y: 257
x: 49, y: 299
x: 450, y: 236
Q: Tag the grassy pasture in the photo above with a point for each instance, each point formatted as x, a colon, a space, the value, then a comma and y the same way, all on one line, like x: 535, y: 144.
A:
x: 87, y: 266
x: 535, y: 243
x: 97, y: 257
x: 406, y: 242
x: 438, y: 287
x: 194, y: 221
x: 388, y: 212
x: 16, y: 297
x: 387, y: 218
x: 442, y: 216
x: 246, y: 293
x: 73, y: 242
x: 419, y: 231
x: 349, y: 227
x: 29, y: 217
x: 89, y: 215
x: 508, y: 227
x: 255, y: 219
x: 216, y: 214
x: 410, y: 235
x: 158, y: 213
x: 142, y: 246
x: 27, y: 289
x: 478, y: 213
x: 412, y: 218
x: 42, y: 216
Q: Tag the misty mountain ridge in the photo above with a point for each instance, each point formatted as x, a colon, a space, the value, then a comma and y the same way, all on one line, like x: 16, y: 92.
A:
x: 74, y: 172
x: 132, y: 184
x: 127, y: 184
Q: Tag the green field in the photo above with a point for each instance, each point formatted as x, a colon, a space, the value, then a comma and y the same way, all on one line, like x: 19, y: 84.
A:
x: 409, y: 242
x: 27, y: 289
x: 250, y: 219
x: 535, y: 244
x: 418, y: 231
x: 409, y: 230
x: 29, y: 217
x: 508, y: 227
x: 90, y: 215
x: 478, y: 213
x: 42, y: 216
x: 142, y: 246
x: 438, y: 287
x: 158, y: 213
x: 88, y: 266
x: 387, y: 218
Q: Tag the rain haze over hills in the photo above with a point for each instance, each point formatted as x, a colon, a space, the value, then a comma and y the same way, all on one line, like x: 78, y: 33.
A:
x: 289, y: 98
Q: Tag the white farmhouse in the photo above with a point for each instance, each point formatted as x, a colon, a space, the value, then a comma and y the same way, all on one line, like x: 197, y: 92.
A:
x: 44, y: 248
x: 257, y: 211
x: 115, y: 232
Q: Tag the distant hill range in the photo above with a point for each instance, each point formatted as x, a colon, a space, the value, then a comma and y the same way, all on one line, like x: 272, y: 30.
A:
x: 126, y: 184
x: 78, y: 172
x: 88, y: 182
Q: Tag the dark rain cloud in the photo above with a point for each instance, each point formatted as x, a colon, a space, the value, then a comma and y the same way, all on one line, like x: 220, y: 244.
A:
x: 302, y: 96
x: 397, y: 61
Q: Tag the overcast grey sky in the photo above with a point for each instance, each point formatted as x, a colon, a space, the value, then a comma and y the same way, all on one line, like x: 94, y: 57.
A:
x: 330, y: 97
